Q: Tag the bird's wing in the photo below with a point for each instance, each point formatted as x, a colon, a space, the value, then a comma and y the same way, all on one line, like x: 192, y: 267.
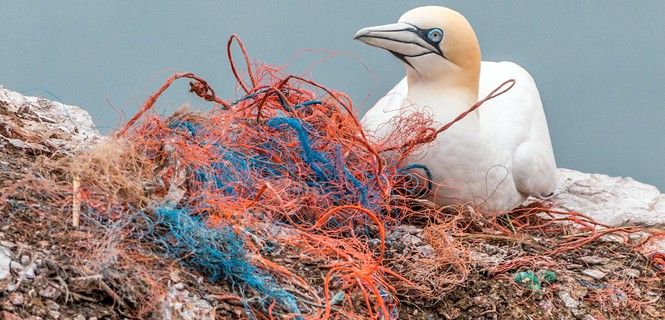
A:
x: 377, y: 119
x: 519, y: 119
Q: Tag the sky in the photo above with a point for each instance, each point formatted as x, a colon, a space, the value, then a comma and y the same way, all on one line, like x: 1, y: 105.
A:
x: 599, y: 64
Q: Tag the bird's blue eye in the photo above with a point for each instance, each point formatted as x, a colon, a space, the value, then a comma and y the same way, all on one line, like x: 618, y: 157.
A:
x: 435, y: 35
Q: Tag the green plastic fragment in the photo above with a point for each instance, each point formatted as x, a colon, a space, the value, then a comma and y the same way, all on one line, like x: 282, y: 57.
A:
x: 548, y: 276
x: 528, y: 279
x: 534, y: 282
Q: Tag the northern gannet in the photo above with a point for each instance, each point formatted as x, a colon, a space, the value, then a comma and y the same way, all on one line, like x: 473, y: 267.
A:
x: 497, y: 156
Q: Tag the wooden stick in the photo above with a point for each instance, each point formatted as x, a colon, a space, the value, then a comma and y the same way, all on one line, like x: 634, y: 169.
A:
x: 112, y: 294
x: 76, y: 201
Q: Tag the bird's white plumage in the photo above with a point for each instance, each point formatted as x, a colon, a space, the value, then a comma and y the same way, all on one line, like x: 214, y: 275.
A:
x: 497, y: 156
x: 495, y: 160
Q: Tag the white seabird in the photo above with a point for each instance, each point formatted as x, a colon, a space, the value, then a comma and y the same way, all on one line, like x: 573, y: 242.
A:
x: 497, y: 156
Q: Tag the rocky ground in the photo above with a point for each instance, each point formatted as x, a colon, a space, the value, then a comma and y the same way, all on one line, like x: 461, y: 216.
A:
x: 602, y: 281
x: 605, y: 279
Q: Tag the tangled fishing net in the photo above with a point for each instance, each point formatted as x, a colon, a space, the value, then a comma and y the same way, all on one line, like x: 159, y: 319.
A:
x: 254, y: 192
x: 279, y: 167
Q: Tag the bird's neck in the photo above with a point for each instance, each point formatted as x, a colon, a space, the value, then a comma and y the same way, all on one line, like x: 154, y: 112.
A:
x: 446, y: 97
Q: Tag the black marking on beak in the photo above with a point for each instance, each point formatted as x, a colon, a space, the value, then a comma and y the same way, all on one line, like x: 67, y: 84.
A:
x: 401, y: 57
x: 422, y: 33
x: 419, y: 39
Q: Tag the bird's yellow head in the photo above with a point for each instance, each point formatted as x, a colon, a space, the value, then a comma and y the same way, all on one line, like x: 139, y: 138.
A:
x: 436, y: 44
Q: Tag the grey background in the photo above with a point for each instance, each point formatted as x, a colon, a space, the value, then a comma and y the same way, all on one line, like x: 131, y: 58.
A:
x: 600, y: 65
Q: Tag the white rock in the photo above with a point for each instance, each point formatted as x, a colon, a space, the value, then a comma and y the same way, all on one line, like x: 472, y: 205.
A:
x: 57, y: 125
x: 182, y: 304
x: 7, y: 244
x: 594, y: 260
x: 611, y: 200
x: 425, y: 251
x: 16, y: 299
x: 411, y: 240
x: 5, y: 262
x: 54, y: 314
x: 568, y: 300
x: 631, y: 273
x: 593, y: 273
x: 51, y: 305
x: 49, y: 292
x: 614, y: 201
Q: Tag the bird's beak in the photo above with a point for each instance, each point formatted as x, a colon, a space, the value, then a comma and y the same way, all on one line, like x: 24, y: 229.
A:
x: 401, y: 39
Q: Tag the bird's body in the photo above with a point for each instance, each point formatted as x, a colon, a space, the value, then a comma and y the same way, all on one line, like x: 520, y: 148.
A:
x: 495, y: 157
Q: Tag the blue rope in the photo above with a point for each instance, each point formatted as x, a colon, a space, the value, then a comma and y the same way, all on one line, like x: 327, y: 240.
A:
x: 218, y: 252
x: 428, y: 173
x: 318, y: 162
x: 306, y: 104
x: 309, y: 155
